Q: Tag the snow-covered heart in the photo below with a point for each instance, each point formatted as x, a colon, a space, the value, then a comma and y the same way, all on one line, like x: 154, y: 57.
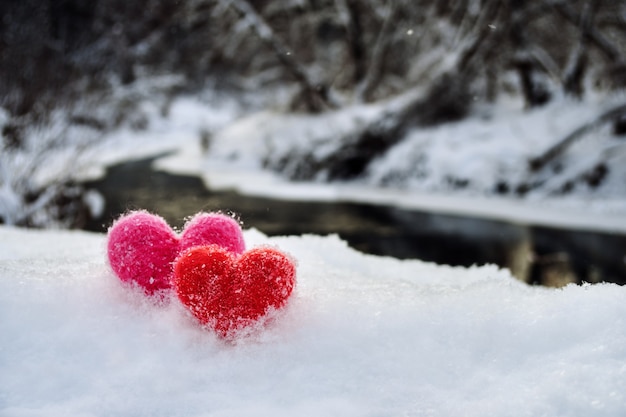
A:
x: 227, y: 292
x: 142, y: 247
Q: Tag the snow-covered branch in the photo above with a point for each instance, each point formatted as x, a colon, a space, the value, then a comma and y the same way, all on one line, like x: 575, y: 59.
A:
x: 315, y: 94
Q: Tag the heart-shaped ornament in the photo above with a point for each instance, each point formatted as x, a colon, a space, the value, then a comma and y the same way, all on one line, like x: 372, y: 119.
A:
x: 227, y: 292
x: 142, y: 247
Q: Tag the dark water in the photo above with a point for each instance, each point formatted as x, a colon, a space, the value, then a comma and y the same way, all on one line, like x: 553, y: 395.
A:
x: 537, y: 255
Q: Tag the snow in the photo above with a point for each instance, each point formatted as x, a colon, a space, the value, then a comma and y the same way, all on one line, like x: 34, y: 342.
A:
x: 178, y: 132
x: 362, y: 336
x: 454, y: 168
x: 492, y: 146
x: 601, y: 214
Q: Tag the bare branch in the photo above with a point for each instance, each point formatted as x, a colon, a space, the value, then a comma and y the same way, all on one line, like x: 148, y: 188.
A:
x: 348, y: 16
x: 545, y: 61
x: 483, y: 31
x: 574, y: 72
x: 375, y: 68
x: 595, y: 36
x: 558, y: 148
x: 316, y: 96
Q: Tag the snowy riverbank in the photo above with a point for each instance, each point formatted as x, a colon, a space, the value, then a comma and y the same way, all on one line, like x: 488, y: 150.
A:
x: 363, y: 336
x: 486, y: 149
x: 476, y: 166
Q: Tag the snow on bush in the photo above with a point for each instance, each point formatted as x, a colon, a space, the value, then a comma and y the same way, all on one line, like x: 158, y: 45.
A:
x: 39, y: 168
x: 484, y: 154
x: 45, y: 160
x: 271, y: 140
x: 362, y: 336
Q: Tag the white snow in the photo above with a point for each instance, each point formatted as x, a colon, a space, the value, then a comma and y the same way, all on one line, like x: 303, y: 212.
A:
x: 178, y: 132
x: 601, y: 215
x: 492, y: 146
x: 422, y: 171
x: 363, y: 336
x: 483, y: 149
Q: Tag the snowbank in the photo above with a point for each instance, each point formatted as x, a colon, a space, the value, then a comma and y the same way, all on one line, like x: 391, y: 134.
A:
x: 363, y: 336
x: 483, y: 160
x: 485, y: 154
x: 214, y: 137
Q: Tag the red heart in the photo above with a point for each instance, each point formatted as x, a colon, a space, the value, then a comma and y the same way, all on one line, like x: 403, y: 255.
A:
x: 228, y: 292
x: 142, y: 247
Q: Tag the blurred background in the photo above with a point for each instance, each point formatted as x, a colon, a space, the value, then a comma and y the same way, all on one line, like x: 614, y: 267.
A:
x: 459, y: 132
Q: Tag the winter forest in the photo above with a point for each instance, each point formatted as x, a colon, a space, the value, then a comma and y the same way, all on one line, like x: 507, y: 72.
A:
x: 448, y: 177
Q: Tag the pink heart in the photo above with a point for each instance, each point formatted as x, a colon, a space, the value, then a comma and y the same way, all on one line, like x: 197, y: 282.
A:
x: 142, y: 247
x: 228, y: 292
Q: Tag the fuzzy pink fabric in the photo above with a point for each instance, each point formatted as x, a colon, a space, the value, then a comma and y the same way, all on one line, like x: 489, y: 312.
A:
x: 142, y: 247
x: 213, y: 228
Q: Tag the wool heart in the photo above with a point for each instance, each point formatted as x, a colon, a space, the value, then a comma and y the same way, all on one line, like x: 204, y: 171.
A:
x: 228, y: 292
x: 142, y: 247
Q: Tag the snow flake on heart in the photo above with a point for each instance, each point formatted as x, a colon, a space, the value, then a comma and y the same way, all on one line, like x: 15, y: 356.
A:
x: 224, y: 286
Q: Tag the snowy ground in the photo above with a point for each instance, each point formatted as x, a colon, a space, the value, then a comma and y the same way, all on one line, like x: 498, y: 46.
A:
x: 363, y: 336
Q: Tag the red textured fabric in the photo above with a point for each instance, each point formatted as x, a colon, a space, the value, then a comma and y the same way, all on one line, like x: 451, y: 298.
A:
x: 142, y: 247
x: 228, y: 292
